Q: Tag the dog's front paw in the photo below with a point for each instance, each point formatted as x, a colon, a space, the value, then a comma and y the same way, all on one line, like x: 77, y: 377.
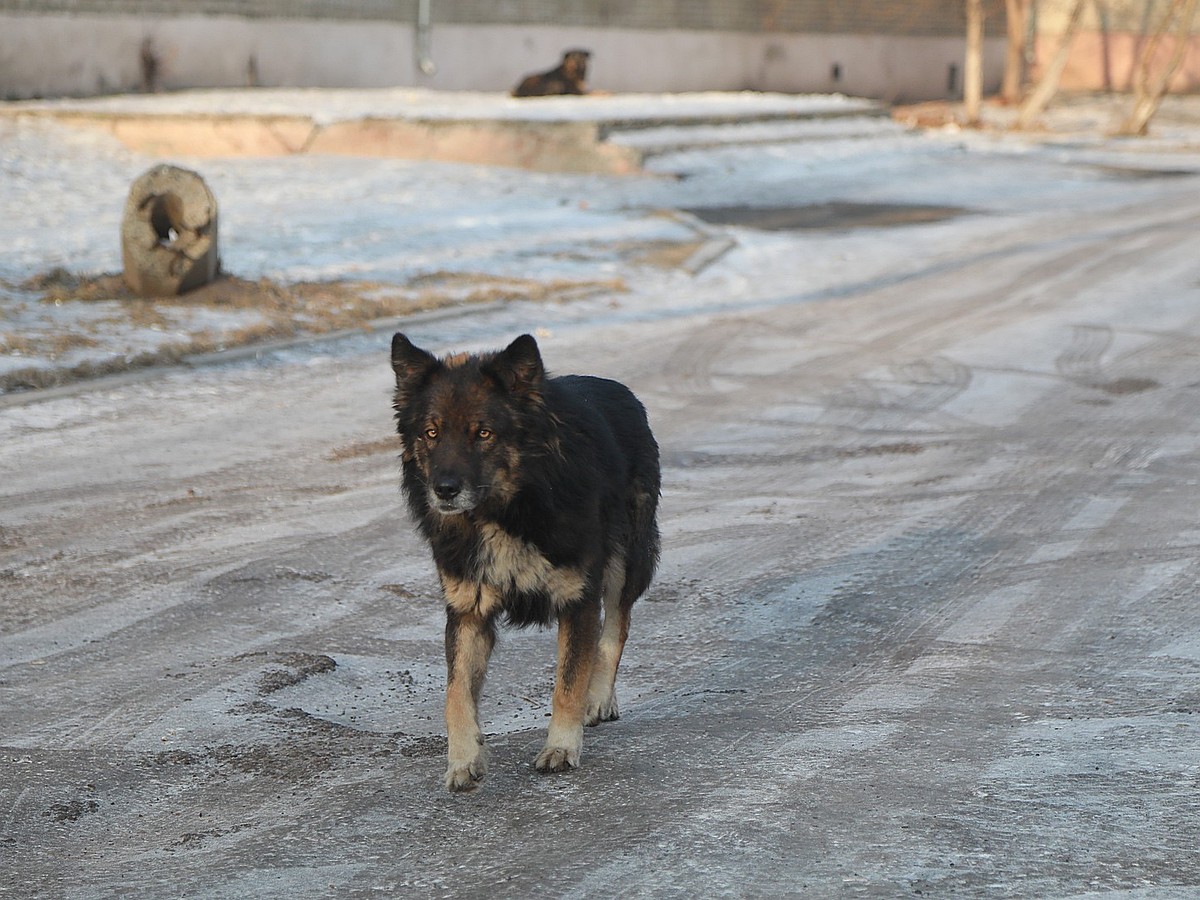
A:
x: 465, y: 775
x: 604, y: 710
x: 563, y: 745
x: 557, y: 759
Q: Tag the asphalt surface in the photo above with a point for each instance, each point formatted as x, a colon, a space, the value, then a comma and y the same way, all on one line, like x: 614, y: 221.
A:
x: 926, y: 622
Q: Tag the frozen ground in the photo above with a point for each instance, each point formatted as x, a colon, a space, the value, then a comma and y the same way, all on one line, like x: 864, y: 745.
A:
x: 393, y: 234
x: 926, y: 620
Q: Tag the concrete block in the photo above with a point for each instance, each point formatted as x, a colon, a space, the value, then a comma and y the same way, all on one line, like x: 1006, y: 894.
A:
x: 169, y: 233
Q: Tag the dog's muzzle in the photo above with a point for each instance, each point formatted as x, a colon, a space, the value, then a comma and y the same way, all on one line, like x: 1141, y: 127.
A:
x: 449, y: 496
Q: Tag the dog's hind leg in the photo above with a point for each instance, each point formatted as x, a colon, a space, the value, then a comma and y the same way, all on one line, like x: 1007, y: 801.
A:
x: 577, y: 633
x: 470, y: 637
x: 602, y: 692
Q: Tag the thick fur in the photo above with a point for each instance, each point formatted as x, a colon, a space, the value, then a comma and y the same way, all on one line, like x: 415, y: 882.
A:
x: 568, y: 77
x: 538, y: 497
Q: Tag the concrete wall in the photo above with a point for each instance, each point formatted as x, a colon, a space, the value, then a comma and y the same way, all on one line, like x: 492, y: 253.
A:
x: 82, y: 55
x: 494, y: 57
x: 51, y: 55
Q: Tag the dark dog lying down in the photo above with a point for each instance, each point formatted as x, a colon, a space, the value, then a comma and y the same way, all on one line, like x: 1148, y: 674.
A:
x: 569, y: 77
x: 538, y: 497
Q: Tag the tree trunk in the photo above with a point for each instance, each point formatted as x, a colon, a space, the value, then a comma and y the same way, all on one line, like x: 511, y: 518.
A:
x: 1014, y: 58
x: 1149, y: 90
x: 973, y: 71
x: 1043, y: 92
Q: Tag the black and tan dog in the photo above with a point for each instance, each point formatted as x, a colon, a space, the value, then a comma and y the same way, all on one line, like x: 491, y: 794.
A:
x: 569, y: 77
x: 538, y: 496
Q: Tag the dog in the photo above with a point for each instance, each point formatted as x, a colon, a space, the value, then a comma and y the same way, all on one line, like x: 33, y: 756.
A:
x: 538, y: 496
x: 569, y: 77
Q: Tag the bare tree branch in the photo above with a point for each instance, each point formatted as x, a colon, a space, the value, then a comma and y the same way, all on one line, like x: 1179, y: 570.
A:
x: 1148, y: 89
x: 1014, y: 59
x: 1042, y: 93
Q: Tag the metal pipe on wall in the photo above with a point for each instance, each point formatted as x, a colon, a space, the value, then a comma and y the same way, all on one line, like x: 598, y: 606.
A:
x: 423, y: 37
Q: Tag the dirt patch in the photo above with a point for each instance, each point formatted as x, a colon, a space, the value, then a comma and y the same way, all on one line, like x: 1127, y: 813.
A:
x: 428, y: 747
x: 690, y: 459
x: 365, y: 448
x: 1121, y: 386
x: 906, y: 448
x: 826, y: 216
x: 187, y: 499
x: 297, y: 667
x: 666, y: 253
x: 658, y: 254
x: 288, y: 762
x: 192, y: 838
x: 10, y: 538
x: 73, y: 810
x: 1130, y: 173
x: 174, y: 758
x: 929, y: 114
x: 399, y: 590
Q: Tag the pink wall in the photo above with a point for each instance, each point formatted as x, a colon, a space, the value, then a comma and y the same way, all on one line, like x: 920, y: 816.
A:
x: 1105, y: 61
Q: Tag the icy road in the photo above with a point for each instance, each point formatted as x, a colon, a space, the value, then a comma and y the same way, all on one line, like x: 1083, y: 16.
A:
x: 927, y: 620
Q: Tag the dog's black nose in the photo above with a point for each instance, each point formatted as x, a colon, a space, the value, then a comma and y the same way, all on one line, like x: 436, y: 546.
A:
x: 447, y: 487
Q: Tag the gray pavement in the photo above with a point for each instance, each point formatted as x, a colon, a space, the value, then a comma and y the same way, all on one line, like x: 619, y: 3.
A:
x: 926, y: 623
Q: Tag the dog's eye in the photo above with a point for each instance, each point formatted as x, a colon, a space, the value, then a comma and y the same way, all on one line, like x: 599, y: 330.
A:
x: 431, y: 433
x: 484, y: 434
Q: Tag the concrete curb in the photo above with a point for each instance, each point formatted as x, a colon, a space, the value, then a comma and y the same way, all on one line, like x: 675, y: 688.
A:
x: 545, y: 142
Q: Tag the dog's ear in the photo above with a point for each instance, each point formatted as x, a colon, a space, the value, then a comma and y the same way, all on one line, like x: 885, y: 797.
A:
x: 409, y: 361
x: 519, y: 366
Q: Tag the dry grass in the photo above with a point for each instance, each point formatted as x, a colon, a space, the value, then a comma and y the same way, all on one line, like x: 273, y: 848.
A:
x: 53, y: 346
x: 279, y: 311
x: 664, y: 254
x: 318, y: 306
x: 365, y: 448
x: 15, y: 344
